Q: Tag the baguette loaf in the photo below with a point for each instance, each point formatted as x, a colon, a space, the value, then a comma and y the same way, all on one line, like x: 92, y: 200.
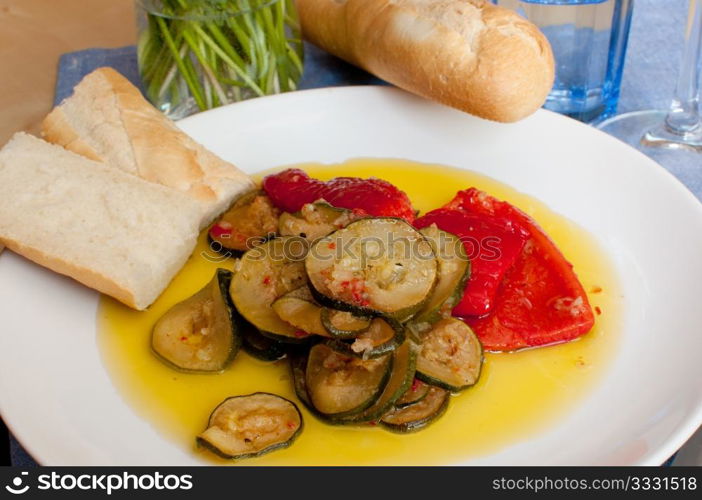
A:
x: 469, y: 54
x: 109, y: 230
x: 108, y: 120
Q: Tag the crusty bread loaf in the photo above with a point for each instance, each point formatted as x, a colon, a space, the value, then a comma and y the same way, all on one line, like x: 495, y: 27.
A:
x: 108, y: 120
x: 469, y: 54
x: 107, y: 229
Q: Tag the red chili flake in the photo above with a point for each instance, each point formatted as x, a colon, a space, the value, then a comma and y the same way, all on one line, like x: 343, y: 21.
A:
x: 217, y: 231
x: 291, y: 425
x: 266, y: 280
x: 357, y: 288
x: 598, y: 310
x: 300, y: 334
x: 596, y: 289
x: 332, y: 245
x: 358, y: 297
x: 183, y: 339
x: 415, y: 385
x: 372, y: 424
x: 360, y: 300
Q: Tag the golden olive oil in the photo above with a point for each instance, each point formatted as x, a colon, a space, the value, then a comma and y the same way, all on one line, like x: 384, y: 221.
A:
x: 518, y: 396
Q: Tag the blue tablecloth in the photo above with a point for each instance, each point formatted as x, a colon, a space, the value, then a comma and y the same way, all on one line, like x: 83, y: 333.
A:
x: 652, y: 63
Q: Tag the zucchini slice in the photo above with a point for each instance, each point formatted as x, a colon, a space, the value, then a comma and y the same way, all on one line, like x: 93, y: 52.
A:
x: 201, y: 333
x: 314, y: 220
x: 265, y: 274
x: 298, y: 370
x: 383, y: 336
x: 343, y: 324
x: 249, y: 426
x: 340, y: 385
x: 261, y: 347
x: 249, y: 222
x: 299, y: 309
x: 454, y: 272
x: 450, y: 356
x: 403, y: 370
x: 380, y: 266
x: 417, y: 416
x: 417, y: 391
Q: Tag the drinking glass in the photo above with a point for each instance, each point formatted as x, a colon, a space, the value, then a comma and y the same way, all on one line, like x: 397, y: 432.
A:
x: 589, y: 39
x: 656, y: 132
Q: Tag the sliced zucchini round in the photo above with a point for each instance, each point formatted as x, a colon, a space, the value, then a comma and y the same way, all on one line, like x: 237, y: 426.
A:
x: 299, y: 309
x: 265, y: 274
x: 416, y: 392
x: 201, y: 333
x: 417, y: 416
x: 378, y: 266
x: 249, y: 426
x: 403, y: 370
x: 298, y: 369
x: 314, y: 221
x: 454, y: 272
x: 250, y: 221
x: 383, y: 336
x: 450, y: 356
x: 343, y: 324
x: 261, y: 347
x: 340, y: 385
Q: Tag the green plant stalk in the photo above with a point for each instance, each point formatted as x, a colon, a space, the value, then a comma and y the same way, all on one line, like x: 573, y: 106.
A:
x: 180, y: 61
x: 255, y: 52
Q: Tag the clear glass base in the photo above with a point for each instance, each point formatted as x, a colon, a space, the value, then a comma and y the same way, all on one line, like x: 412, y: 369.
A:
x: 186, y: 108
x: 647, y: 130
x: 589, y: 106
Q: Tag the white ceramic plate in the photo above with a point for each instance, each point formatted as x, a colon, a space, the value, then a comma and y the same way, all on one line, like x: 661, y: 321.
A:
x: 59, y: 401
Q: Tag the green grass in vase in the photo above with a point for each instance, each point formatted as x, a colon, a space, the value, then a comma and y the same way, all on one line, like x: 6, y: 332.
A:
x: 219, y: 51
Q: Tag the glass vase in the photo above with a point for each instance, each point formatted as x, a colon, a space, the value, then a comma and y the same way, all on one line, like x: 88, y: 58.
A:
x: 196, y: 55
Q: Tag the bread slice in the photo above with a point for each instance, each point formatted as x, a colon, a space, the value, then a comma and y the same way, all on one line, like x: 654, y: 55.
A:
x: 108, y: 120
x: 109, y: 230
x: 469, y: 54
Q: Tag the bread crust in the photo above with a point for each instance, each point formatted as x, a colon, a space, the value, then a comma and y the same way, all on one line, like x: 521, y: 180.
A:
x: 468, y: 54
x: 161, y: 152
x: 84, y: 275
x: 112, y: 231
x: 56, y: 129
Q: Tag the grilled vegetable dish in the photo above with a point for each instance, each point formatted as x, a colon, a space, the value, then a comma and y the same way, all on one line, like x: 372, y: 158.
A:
x: 381, y: 314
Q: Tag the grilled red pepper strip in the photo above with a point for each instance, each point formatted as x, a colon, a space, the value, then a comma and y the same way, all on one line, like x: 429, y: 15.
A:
x: 540, y: 301
x: 491, y: 243
x: 292, y: 188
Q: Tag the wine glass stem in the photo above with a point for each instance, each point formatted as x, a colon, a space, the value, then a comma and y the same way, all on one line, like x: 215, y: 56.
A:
x: 683, y: 117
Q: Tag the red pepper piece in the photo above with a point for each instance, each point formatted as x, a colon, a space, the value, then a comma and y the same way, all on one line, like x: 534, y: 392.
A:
x: 292, y: 188
x: 491, y: 243
x: 540, y: 301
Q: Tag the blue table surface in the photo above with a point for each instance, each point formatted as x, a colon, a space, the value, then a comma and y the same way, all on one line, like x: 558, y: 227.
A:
x: 650, y: 71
